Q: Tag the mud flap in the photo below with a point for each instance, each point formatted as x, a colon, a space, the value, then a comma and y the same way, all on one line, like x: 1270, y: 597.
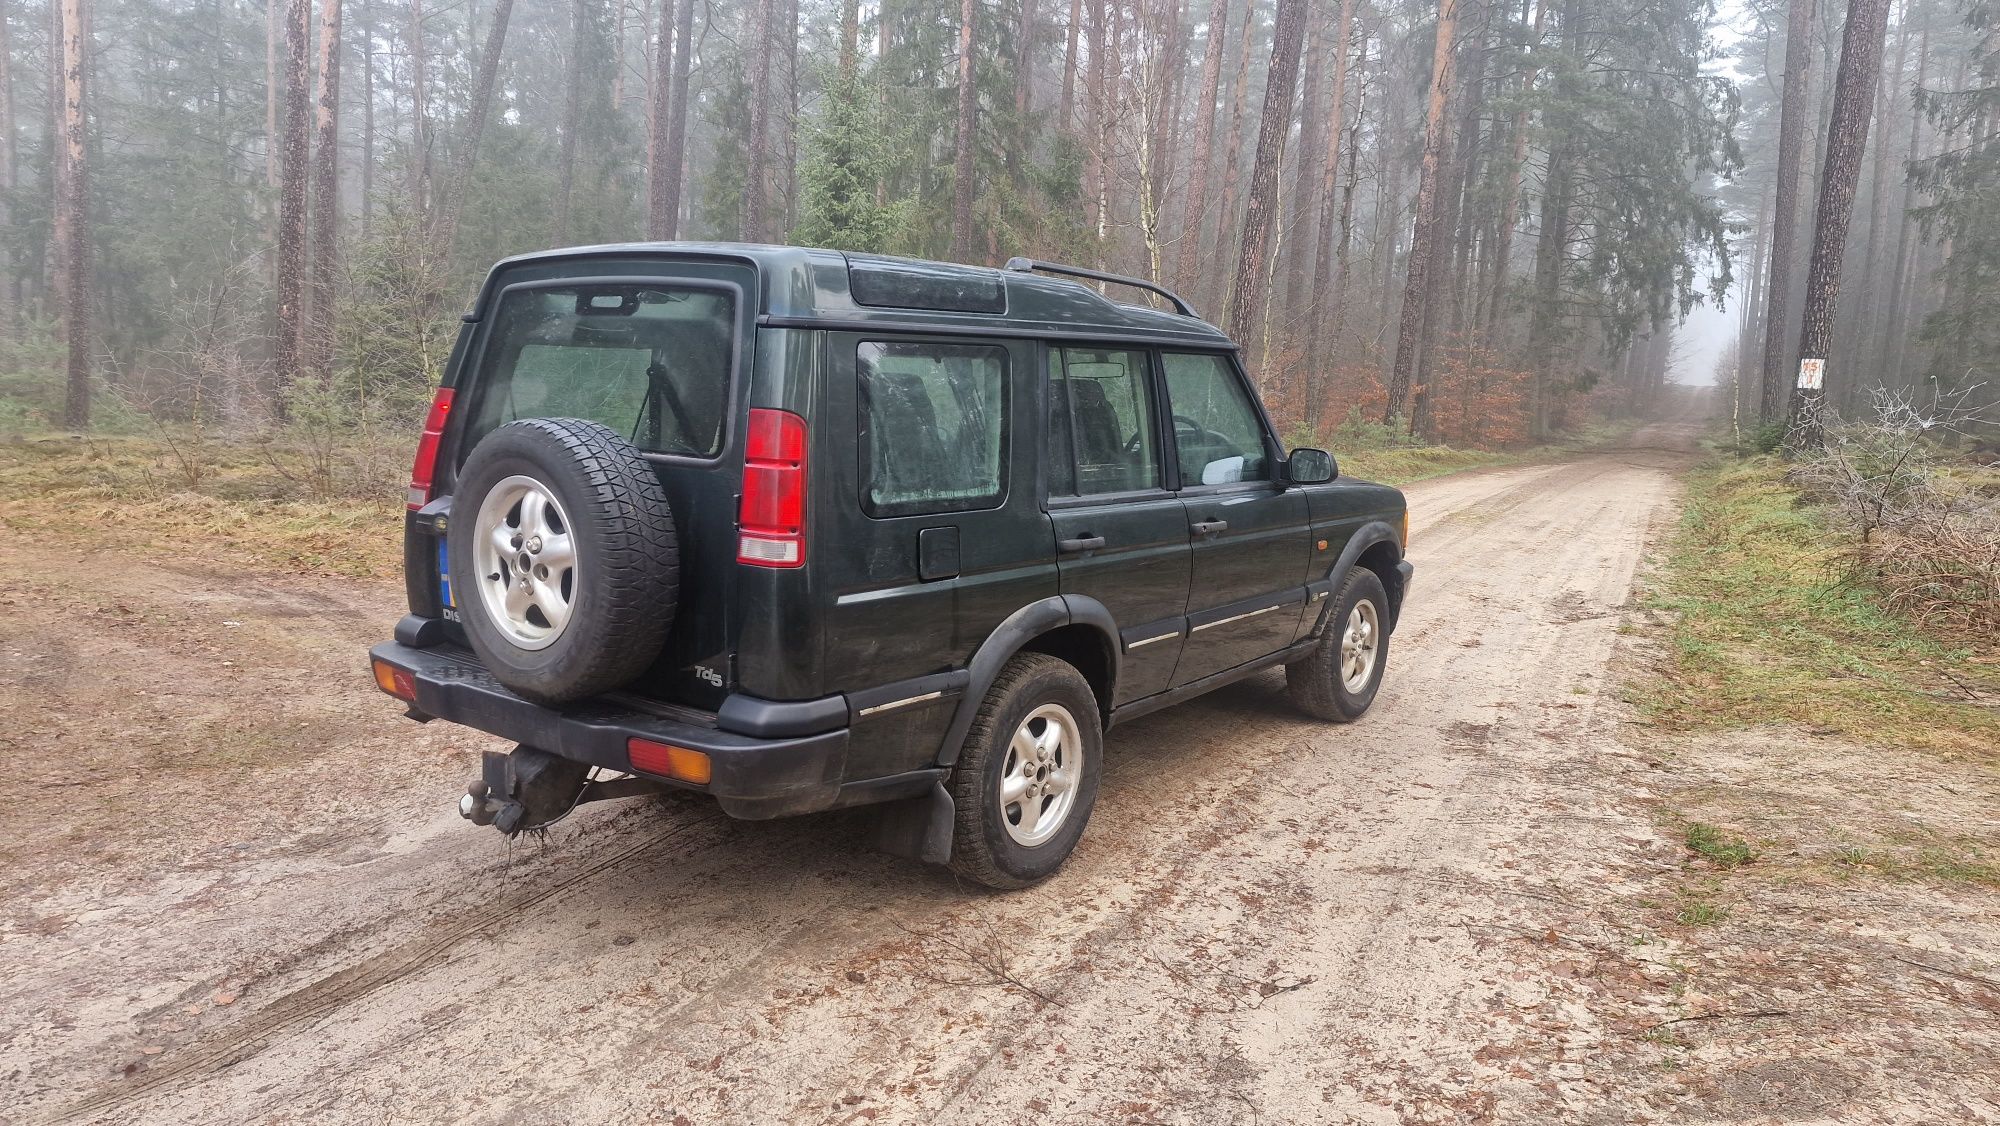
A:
x: 918, y: 828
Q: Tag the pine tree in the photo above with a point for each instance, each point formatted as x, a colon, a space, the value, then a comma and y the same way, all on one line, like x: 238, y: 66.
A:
x: 289, y: 348
x: 1785, y: 219
x: 318, y: 342
x: 1245, y: 310
x: 1424, y: 241
x: 75, y: 248
x: 1853, y: 108
x: 846, y: 154
x: 965, y: 136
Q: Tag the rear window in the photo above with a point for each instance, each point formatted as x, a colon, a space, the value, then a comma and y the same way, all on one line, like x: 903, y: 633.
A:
x: 652, y: 362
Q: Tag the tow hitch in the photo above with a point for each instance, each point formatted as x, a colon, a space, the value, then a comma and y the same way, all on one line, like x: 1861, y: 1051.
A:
x: 533, y: 789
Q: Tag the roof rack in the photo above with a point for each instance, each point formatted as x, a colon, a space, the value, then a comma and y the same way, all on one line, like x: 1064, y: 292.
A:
x: 1028, y: 265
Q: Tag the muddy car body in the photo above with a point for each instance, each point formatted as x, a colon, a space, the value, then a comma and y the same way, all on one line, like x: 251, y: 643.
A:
x: 906, y: 505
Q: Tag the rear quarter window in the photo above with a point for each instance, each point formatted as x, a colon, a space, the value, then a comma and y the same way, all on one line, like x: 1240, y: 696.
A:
x: 933, y: 422
x: 652, y: 362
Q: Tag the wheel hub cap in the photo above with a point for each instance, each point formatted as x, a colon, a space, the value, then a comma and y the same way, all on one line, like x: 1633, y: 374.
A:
x: 1039, y: 779
x: 526, y: 562
x: 1360, y: 639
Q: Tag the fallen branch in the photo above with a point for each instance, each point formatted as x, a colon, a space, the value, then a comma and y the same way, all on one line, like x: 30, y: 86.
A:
x: 1758, y: 1014
x: 1973, y: 978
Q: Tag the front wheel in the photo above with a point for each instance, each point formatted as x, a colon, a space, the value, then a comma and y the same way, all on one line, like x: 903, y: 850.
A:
x: 1339, y: 680
x: 1025, y: 783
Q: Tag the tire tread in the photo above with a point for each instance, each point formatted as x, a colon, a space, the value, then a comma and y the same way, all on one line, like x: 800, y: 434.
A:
x: 971, y: 857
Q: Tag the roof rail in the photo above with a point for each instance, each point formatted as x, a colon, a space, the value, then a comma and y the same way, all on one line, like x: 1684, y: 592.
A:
x: 1027, y: 265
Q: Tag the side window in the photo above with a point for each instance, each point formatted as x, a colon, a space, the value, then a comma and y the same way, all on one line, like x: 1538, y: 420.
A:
x: 1102, y: 396
x: 933, y: 426
x: 1216, y: 427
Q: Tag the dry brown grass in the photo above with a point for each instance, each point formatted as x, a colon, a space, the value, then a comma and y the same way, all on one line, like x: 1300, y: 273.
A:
x: 254, y: 504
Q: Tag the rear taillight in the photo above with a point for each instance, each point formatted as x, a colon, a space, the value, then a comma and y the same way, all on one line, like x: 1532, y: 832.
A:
x: 771, y: 521
x: 424, y: 471
x: 669, y: 761
x: 396, y: 682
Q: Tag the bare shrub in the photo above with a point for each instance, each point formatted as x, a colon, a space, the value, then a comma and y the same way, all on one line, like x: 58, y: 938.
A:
x: 1925, y: 521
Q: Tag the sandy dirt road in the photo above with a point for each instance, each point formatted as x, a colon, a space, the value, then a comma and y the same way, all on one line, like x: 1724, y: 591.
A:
x: 1270, y: 920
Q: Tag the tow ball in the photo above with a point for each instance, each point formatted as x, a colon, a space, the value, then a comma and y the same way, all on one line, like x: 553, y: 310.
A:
x: 533, y: 789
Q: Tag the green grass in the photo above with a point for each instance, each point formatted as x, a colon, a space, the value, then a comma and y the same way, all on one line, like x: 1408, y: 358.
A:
x: 1366, y: 455
x: 1404, y: 465
x: 1719, y: 848
x: 1945, y: 862
x: 1772, y: 624
x: 1697, y: 910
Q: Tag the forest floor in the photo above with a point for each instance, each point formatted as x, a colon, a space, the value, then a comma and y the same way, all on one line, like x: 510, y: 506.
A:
x: 237, y: 889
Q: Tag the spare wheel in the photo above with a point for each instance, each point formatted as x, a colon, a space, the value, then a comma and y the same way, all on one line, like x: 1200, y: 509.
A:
x: 563, y: 561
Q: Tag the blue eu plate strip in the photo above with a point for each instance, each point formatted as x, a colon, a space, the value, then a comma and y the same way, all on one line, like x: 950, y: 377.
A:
x: 444, y: 573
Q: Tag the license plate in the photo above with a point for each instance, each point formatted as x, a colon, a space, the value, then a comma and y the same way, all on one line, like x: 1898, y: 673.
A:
x: 444, y: 576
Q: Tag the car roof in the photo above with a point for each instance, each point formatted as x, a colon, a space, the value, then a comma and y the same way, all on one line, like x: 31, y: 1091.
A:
x: 807, y: 287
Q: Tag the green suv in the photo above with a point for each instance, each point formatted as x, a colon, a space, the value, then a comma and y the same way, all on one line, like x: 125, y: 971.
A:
x: 805, y: 530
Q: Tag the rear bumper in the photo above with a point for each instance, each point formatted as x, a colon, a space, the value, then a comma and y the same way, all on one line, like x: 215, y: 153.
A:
x: 752, y: 776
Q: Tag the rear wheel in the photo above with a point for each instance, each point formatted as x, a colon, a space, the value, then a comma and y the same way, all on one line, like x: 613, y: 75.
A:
x: 1339, y: 680
x: 1026, y: 781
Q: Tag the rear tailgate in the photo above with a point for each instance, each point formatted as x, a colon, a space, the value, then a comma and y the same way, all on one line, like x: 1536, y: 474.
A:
x: 655, y: 346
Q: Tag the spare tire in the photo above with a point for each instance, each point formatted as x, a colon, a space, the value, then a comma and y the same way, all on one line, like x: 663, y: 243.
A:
x: 563, y: 561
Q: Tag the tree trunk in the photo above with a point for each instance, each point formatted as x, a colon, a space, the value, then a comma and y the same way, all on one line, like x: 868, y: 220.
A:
x: 1442, y: 304
x: 1890, y: 363
x: 788, y: 178
x: 53, y: 283
x: 1847, y: 139
x: 1868, y: 322
x: 326, y: 195
x: 289, y: 348
x: 75, y: 247
x: 1324, y: 294
x: 420, y: 134
x: 1066, y: 119
x: 446, y: 235
x: 659, y: 112
x: 1098, y: 117
x: 1024, y: 81
x: 1423, y: 241
x: 1246, y: 293
x: 966, y: 137
x: 572, y: 123
x: 754, y: 197
x: 1388, y: 217
x: 7, y: 166
x: 1160, y: 70
x: 1750, y: 348
x: 1187, y: 257
x: 367, y: 119
x: 673, y: 164
x: 1510, y: 188
x: 1232, y: 159
x: 1316, y: 148
x: 850, y: 37
x: 274, y: 18
x: 1792, y: 112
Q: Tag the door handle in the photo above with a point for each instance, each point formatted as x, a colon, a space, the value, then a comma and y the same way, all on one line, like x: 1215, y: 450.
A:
x: 1208, y: 527
x: 1081, y: 543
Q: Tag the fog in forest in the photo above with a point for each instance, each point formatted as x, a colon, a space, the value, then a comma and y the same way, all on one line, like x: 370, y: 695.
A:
x: 1470, y: 222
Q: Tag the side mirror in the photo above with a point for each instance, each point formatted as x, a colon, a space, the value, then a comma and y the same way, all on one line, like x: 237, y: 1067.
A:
x: 1308, y: 466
